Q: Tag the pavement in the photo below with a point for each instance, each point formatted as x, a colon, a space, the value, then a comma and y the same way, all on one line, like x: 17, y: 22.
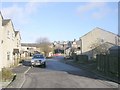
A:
x: 20, y: 72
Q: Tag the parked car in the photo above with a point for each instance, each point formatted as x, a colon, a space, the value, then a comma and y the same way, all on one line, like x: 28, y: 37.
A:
x: 57, y: 54
x: 38, y: 60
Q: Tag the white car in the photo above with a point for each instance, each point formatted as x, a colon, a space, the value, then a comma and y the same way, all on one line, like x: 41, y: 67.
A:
x: 38, y: 60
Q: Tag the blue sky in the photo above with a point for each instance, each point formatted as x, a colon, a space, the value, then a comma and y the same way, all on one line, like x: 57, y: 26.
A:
x: 60, y: 21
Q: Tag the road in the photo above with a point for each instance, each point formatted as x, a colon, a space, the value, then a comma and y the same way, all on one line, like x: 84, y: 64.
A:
x: 60, y: 75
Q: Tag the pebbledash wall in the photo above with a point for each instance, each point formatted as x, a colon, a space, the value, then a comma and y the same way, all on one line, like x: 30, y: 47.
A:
x: 100, y: 35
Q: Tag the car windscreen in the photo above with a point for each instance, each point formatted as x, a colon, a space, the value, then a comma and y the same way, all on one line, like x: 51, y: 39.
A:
x: 38, y: 56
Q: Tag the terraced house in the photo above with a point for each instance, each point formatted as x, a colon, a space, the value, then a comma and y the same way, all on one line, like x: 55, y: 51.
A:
x: 10, y: 42
x: 1, y: 41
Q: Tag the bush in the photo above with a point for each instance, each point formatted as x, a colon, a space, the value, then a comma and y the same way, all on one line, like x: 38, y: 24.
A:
x: 6, y: 74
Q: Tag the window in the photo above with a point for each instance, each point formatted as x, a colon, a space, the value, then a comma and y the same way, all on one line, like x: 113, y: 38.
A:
x: 8, y: 34
x: 8, y: 55
x: 13, y: 36
x: 18, y: 41
x: 38, y: 56
x: 17, y: 44
x: 1, y: 41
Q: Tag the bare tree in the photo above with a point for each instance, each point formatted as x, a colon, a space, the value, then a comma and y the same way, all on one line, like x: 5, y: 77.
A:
x: 44, y: 45
x: 99, y: 47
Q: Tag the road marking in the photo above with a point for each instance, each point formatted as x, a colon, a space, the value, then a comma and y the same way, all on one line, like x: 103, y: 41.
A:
x: 24, y: 77
x: 27, y: 70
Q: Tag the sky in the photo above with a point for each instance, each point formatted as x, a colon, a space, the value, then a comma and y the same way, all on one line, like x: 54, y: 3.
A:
x: 60, y: 21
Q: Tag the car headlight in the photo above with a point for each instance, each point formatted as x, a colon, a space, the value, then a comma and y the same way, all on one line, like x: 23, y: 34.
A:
x: 32, y: 61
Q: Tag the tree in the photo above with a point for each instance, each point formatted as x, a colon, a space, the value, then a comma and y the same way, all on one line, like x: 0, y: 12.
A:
x: 99, y: 47
x: 44, y: 45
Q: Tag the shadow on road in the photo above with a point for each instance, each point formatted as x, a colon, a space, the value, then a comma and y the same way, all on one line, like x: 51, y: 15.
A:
x: 73, y: 70
x: 26, y: 63
x: 55, y: 65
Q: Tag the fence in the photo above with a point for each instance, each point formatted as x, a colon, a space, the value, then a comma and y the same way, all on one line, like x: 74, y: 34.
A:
x: 109, y: 65
x: 80, y: 58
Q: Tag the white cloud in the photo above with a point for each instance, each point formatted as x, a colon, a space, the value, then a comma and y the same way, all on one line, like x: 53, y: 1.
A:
x: 31, y: 7
x: 101, y: 13
x: 20, y: 14
x: 89, y: 6
x: 96, y: 10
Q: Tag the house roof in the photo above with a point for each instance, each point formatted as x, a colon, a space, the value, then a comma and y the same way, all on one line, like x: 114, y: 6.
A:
x: 16, y: 32
x: 1, y: 14
x: 5, y: 22
x: 30, y: 44
x: 108, y: 44
x: 97, y: 28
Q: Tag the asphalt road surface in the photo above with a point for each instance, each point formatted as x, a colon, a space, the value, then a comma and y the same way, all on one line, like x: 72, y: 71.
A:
x: 60, y: 75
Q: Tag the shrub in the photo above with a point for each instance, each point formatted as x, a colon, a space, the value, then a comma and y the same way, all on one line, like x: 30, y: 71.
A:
x: 0, y: 76
x: 6, y: 74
